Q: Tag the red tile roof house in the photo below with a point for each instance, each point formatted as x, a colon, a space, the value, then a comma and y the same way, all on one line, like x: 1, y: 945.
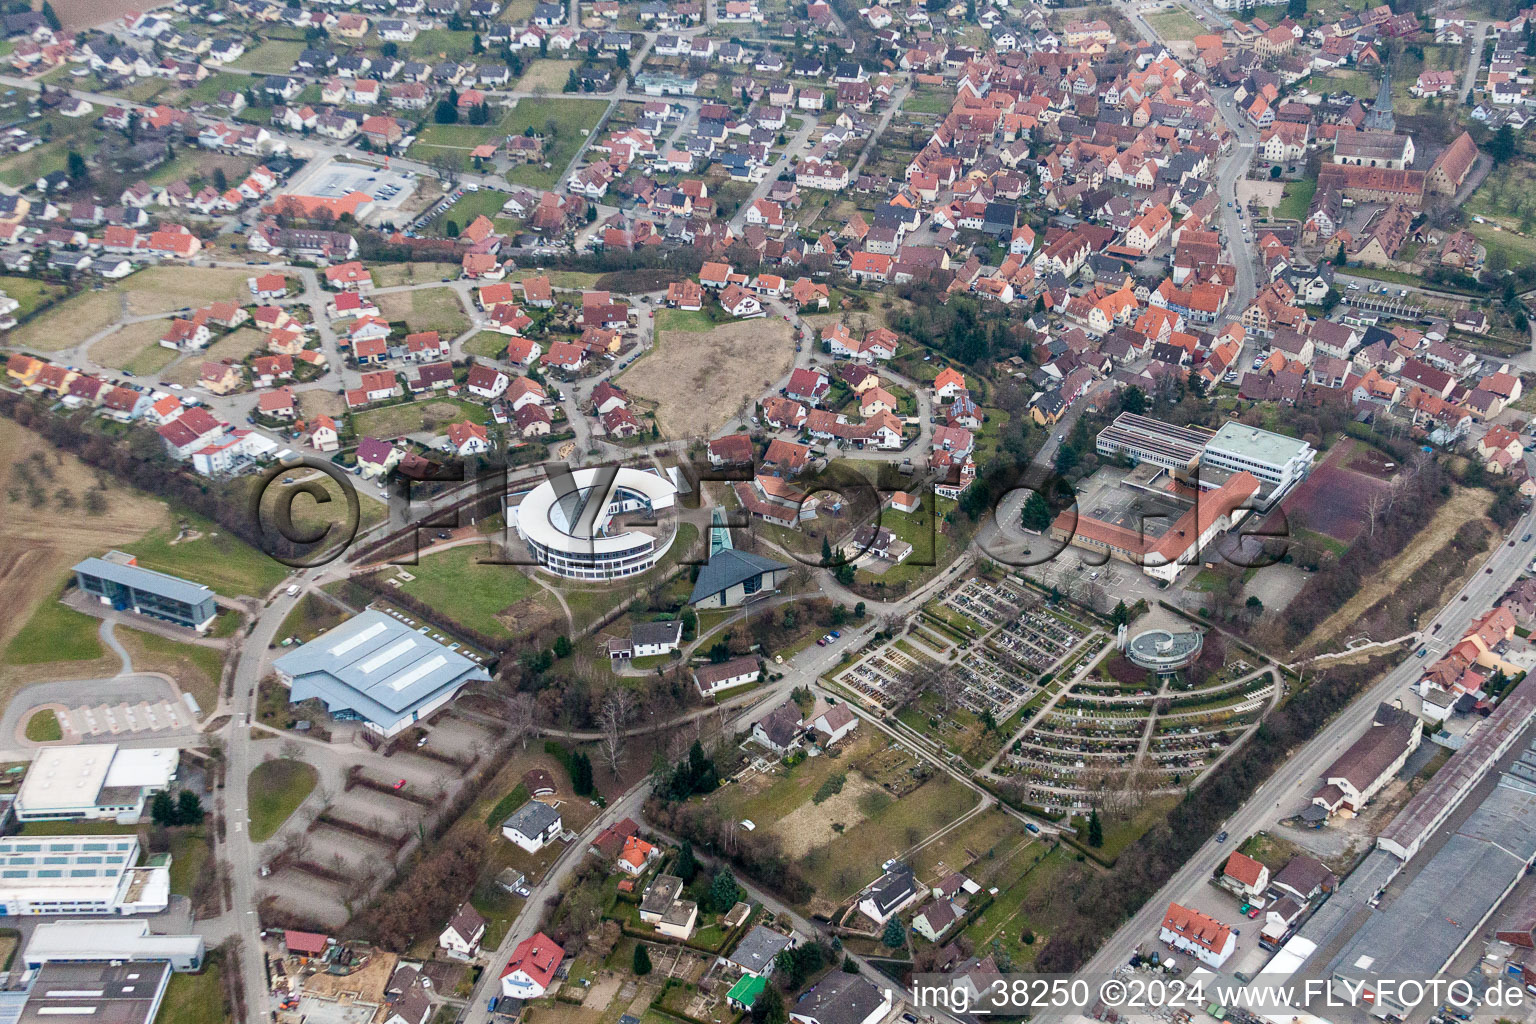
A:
x: 486, y: 382
x: 731, y: 450
x: 277, y: 403
x: 1244, y: 876
x: 531, y: 967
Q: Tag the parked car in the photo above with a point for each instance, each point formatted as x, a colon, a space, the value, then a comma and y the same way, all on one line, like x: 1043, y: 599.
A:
x: 399, y: 785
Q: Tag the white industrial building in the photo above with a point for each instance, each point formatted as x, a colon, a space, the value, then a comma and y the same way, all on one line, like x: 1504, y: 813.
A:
x: 375, y: 669
x: 86, y: 942
x: 1279, y: 462
x: 79, y: 875
x: 94, y: 782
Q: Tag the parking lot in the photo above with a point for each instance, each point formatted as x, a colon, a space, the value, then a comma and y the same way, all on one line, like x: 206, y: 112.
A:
x: 330, y: 178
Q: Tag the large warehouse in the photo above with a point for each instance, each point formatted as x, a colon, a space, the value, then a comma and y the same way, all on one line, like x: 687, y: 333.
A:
x: 118, y: 580
x: 79, y: 875
x: 375, y: 669
x: 88, y: 942
x: 568, y: 522
x: 1445, y: 904
x: 94, y: 782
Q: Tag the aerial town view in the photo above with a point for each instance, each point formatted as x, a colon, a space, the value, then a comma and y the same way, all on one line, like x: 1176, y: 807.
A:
x: 767, y: 511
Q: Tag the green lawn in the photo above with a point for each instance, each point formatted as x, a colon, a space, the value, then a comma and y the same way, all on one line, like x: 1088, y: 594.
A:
x: 838, y: 869
x: 311, y: 616
x: 150, y: 360
x: 195, y: 667
x: 214, y: 558
x: 486, y: 202
x: 1026, y: 903
x: 1298, y: 197
x: 1517, y: 249
x: 403, y: 418
x: 432, y: 43
x: 487, y: 345
x: 1176, y: 26
x: 277, y: 789
x: 194, y: 999
x: 55, y: 632
x: 189, y: 852
x: 43, y: 727
x: 273, y: 56
x: 568, y: 117
x: 30, y: 292
x: 690, y: 320
x: 467, y: 592
x: 928, y: 101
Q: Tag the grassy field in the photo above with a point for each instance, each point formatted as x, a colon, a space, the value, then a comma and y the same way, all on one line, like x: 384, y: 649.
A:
x: 1176, y: 25
x: 487, y: 202
x: 474, y: 595
x: 487, y: 345
x: 411, y: 417
x: 43, y: 727
x: 135, y: 346
x: 928, y: 101
x: 55, y: 632
x: 68, y: 323
x: 1517, y: 249
x: 194, y: 999
x: 1507, y: 195
x: 273, y: 56
x: 212, y: 557
x: 277, y: 789
x: 569, y: 119
x: 683, y: 320
x: 311, y: 616
x: 189, y: 852
x: 1024, y: 904
x: 64, y: 134
x: 195, y: 667
x: 700, y: 379
x: 30, y: 292
x: 1298, y: 197
x: 545, y: 74
x: 166, y: 289
x: 38, y: 544
x: 844, y: 841
x: 426, y: 309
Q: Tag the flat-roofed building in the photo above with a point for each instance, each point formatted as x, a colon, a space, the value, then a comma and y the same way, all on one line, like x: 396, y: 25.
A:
x: 1144, y: 439
x: 375, y: 669
x: 94, y: 782
x: 114, y: 993
x: 87, y: 942
x: 1444, y: 906
x: 118, y: 581
x: 79, y: 875
x: 1277, y: 461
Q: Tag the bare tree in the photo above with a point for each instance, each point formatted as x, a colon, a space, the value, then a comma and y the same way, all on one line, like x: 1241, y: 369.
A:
x: 1374, y: 506
x: 520, y: 717
x: 612, y: 716
x: 291, y: 750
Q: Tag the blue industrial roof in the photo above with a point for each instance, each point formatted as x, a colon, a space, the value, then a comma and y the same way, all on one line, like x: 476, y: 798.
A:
x: 377, y: 666
x: 173, y: 587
